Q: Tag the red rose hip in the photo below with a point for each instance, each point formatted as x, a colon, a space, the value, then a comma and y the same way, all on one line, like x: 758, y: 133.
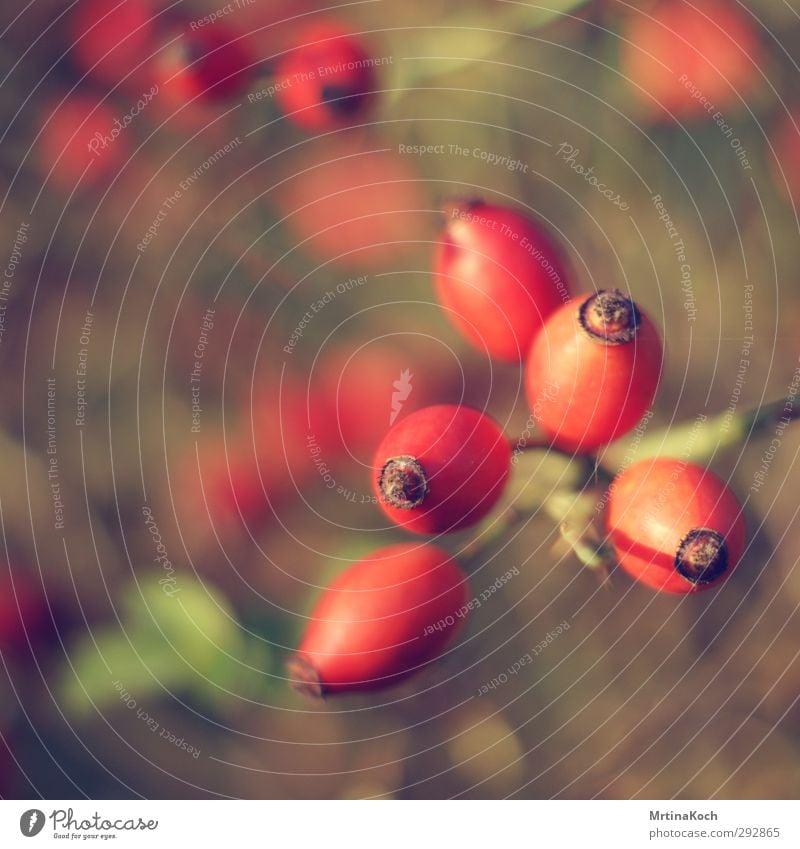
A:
x: 111, y: 38
x: 441, y: 468
x: 381, y: 620
x: 675, y: 526
x: 76, y: 142
x: 350, y: 206
x: 499, y: 276
x: 327, y: 81
x: 593, y: 371
x: 785, y: 164
x: 212, y: 65
x: 684, y: 57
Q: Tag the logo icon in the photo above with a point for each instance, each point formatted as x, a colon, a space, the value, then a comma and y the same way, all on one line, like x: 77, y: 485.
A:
x: 31, y: 822
x: 402, y: 389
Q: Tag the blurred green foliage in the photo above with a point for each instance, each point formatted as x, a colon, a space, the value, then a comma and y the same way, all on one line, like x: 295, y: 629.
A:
x: 642, y: 696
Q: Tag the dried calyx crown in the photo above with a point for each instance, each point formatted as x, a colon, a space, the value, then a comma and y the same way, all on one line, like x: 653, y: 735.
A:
x: 610, y: 317
x: 342, y: 99
x: 403, y: 482
x: 702, y: 556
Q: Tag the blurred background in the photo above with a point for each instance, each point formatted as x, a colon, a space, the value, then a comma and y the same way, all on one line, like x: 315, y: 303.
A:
x: 208, y: 293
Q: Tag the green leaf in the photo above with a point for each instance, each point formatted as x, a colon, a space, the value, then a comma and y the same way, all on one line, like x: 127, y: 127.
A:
x: 112, y: 668
x: 191, y: 616
x: 181, y: 638
x: 433, y: 51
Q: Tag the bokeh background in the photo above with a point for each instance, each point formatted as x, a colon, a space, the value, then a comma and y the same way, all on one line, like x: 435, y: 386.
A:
x: 159, y: 561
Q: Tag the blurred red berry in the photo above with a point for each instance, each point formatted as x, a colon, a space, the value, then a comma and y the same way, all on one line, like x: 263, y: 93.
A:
x: 326, y: 81
x: 358, y: 208
x: 381, y: 620
x: 691, y: 59
x: 675, y: 526
x: 278, y: 428
x: 593, y: 371
x: 77, y: 135
x: 222, y: 488
x: 355, y: 394
x: 209, y: 64
x: 499, y: 276
x: 111, y: 38
x: 441, y: 469
x: 24, y: 614
x: 785, y: 162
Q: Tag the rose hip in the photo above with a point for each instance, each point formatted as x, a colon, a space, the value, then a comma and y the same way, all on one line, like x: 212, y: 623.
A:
x: 326, y: 81
x: 499, y: 276
x: 441, y: 468
x: 210, y: 65
x: 681, y: 56
x: 355, y: 207
x: 111, y: 38
x: 675, y: 526
x: 76, y: 143
x: 593, y: 371
x: 381, y: 620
